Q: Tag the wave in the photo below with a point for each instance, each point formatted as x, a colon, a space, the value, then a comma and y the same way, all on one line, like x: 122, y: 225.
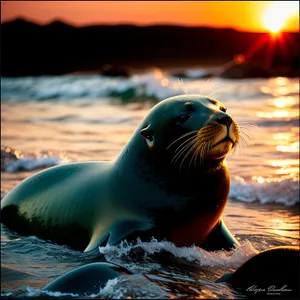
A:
x: 122, y: 254
x: 79, y: 87
x: 31, y: 163
x: 285, y: 191
x: 153, y: 85
x: 13, y: 161
x: 6, y: 294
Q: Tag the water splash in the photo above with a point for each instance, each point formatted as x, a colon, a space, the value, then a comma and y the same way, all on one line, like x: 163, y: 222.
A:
x: 125, y: 286
x: 121, y: 254
x: 284, y: 191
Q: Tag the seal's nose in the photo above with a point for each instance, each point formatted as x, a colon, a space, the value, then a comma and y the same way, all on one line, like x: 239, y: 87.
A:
x: 225, y: 120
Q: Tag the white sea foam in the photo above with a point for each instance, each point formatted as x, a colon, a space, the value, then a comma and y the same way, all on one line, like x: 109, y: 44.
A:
x: 232, y: 259
x: 136, y: 286
x: 285, y: 192
x: 33, y: 163
x: 32, y: 292
x: 6, y: 294
x: 109, y: 288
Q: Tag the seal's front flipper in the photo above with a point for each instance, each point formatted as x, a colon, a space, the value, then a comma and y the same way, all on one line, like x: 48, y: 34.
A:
x: 96, y: 241
x: 122, y: 229
x: 220, y: 238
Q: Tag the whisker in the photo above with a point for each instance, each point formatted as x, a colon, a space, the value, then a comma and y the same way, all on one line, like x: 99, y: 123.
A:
x: 243, y: 140
x: 243, y: 144
x: 185, y: 150
x: 181, y: 137
x: 246, y: 131
x: 238, y: 147
x: 184, y: 88
x: 248, y: 127
x: 183, y: 143
x: 203, y: 150
x: 245, y: 135
x: 251, y: 124
x: 216, y: 89
x: 234, y: 150
x: 187, y: 143
x: 186, y: 155
x: 200, y: 152
x: 201, y: 155
x: 178, y: 154
x: 194, y: 156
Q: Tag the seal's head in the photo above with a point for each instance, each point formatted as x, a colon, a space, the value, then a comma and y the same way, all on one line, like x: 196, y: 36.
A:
x: 193, y: 128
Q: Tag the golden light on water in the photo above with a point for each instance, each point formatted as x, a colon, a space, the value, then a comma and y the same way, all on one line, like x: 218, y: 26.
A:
x: 240, y: 179
x: 288, y: 143
x: 260, y: 180
x: 277, y: 114
x: 277, y: 221
x: 286, y: 167
x: 278, y: 13
x: 284, y: 226
x: 282, y: 102
x: 280, y: 89
x: 293, y: 148
x: 281, y: 80
x: 289, y: 171
x: 284, y: 163
x: 286, y: 136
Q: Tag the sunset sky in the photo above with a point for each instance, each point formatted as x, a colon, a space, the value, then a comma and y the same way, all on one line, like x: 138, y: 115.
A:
x: 241, y: 15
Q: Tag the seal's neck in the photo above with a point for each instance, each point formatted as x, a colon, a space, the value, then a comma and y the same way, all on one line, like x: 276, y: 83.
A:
x: 159, y: 185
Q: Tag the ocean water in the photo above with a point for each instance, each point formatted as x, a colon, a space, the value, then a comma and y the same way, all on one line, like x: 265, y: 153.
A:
x: 52, y: 120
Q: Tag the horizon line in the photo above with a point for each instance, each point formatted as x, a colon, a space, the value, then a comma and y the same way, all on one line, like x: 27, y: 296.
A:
x: 60, y: 20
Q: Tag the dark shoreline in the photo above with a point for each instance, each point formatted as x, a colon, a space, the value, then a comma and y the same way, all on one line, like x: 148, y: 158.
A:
x: 29, y: 49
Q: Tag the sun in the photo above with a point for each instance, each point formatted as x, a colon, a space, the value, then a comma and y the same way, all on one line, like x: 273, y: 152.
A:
x: 278, y: 13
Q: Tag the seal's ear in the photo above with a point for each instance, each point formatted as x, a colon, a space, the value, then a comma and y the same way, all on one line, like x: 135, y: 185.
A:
x: 148, y: 134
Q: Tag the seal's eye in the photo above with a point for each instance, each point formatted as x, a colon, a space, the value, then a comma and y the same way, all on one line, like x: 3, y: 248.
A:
x: 182, y: 117
x: 147, y: 133
x: 223, y: 109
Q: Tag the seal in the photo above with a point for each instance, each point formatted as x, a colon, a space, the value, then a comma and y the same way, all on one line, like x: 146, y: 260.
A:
x: 170, y: 182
